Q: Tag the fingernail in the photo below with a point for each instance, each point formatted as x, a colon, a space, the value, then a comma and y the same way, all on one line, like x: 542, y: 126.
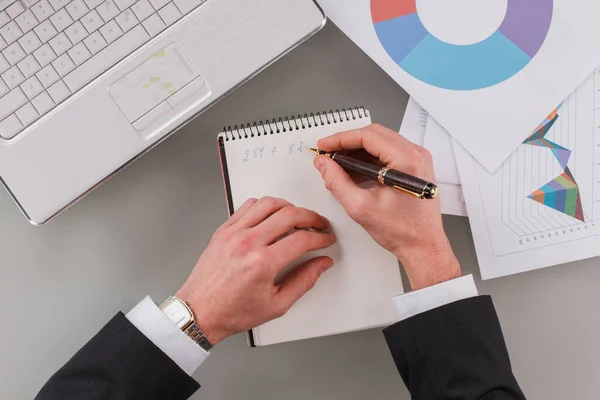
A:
x: 327, y: 263
x: 320, y: 163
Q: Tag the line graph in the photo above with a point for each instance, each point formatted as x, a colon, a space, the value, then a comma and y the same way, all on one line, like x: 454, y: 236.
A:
x: 561, y: 193
x: 551, y: 184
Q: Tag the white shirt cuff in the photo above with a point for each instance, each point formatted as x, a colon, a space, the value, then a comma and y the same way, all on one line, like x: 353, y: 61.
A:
x: 160, y: 330
x: 419, y: 301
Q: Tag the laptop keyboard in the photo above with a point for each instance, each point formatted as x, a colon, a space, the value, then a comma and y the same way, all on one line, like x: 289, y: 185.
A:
x: 49, y: 49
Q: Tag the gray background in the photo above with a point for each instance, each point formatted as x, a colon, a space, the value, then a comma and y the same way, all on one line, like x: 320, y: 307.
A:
x: 142, y: 232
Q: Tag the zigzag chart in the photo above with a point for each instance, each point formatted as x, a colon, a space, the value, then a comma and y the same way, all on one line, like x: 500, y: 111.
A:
x: 562, y: 193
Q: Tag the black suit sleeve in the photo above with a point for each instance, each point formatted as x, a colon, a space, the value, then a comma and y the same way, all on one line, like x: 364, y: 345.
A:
x: 454, y: 352
x: 119, y: 363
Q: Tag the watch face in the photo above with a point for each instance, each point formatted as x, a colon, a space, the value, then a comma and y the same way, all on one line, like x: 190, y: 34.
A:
x: 177, y: 312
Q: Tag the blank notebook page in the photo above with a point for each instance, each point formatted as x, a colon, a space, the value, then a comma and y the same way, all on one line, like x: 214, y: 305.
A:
x: 357, y: 292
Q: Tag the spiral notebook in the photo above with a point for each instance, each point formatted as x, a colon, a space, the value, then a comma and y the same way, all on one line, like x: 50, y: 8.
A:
x: 272, y: 159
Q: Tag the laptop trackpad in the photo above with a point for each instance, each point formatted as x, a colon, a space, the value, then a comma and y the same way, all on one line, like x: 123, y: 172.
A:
x: 153, y: 82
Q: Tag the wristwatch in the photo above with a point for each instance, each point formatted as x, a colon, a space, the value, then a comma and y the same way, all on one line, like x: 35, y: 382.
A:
x: 181, y: 315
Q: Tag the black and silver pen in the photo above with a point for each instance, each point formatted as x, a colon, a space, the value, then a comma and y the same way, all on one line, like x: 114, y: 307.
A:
x: 397, y: 180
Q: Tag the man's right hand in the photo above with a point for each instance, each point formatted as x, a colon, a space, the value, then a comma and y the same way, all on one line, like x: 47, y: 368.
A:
x: 410, y: 228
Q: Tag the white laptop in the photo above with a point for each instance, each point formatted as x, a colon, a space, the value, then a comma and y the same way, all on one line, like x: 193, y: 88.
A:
x: 89, y: 85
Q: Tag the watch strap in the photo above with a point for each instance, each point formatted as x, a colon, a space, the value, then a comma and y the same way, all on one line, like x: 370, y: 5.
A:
x: 194, y: 332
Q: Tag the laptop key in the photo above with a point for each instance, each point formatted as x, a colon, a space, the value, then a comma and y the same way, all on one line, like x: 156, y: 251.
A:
x: 29, y: 3
x: 79, y: 54
x: 169, y: 14
x: 92, y: 21
x: 45, y: 31
x: 26, y: 21
x: 77, y: 9
x: 30, y: 42
x: 124, y: 4
x: 15, y: 9
x: 11, y: 32
x: 142, y: 9
x: 61, y: 20
x: 27, y: 114
x: 58, y: 4
x: 154, y: 25
x: 108, y: 10
x: 60, y: 43
x: 47, y: 76
x: 32, y: 87
x: 43, y: 103
x: 158, y: 4
x: 14, y: 53
x: 63, y: 65
x: 92, y: 3
x: 10, y: 126
x: 76, y: 32
x: 29, y: 66
x: 59, y: 91
x: 127, y: 20
x: 185, y: 6
x: 111, y: 31
x: 95, y: 42
x: 45, y: 55
x: 13, y: 77
x: 11, y: 102
x: 42, y: 10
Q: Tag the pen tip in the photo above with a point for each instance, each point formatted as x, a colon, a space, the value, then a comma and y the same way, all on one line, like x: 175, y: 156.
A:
x: 316, y: 151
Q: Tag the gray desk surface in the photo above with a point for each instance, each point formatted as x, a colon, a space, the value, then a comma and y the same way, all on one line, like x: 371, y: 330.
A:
x: 142, y: 232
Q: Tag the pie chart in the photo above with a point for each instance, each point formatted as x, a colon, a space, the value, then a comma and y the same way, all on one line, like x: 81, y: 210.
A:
x: 462, y: 67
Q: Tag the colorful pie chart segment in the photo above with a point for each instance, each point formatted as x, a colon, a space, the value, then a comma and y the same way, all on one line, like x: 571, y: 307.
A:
x: 462, y: 67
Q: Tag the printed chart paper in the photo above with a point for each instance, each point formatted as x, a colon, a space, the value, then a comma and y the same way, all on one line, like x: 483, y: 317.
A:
x: 415, y: 128
x: 439, y: 144
x: 489, y: 71
x: 542, y: 207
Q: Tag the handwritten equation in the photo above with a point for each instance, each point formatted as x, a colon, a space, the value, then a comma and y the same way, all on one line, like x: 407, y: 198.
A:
x: 259, y: 153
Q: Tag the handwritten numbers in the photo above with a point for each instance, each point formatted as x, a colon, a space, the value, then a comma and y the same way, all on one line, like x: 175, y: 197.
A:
x: 258, y: 153
x: 302, y: 147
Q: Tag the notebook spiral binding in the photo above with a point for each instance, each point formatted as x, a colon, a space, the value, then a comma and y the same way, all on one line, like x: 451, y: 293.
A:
x: 288, y: 124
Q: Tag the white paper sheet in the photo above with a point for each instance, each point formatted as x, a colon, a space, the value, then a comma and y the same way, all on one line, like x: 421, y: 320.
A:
x: 357, y: 292
x: 414, y: 123
x: 439, y: 144
x: 415, y: 128
x: 514, y: 233
x: 492, y: 121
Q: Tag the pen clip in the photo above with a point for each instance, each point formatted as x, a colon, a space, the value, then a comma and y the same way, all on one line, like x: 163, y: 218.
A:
x: 417, y: 195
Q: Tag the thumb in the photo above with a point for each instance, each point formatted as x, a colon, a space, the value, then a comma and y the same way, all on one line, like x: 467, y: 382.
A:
x: 301, y: 280
x: 338, y: 182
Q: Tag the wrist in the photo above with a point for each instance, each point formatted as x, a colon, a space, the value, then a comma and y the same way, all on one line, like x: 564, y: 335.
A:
x: 203, y: 316
x: 429, y: 264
